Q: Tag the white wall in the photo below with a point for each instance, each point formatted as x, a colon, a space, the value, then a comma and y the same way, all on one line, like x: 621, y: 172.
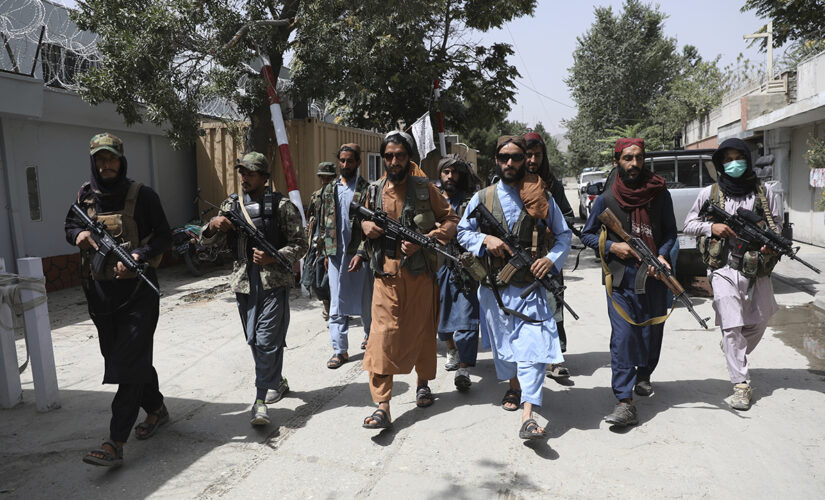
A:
x: 809, y: 223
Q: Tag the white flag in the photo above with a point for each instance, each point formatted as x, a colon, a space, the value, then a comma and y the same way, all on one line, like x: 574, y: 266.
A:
x: 422, y: 131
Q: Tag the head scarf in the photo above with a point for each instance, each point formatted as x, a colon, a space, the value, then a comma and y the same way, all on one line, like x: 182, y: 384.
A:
x: 735, y: 186
x: 636, y: 199
x: 544, y: 169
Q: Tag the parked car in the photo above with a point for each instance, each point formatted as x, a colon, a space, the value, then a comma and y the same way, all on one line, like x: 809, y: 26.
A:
x: 585, y: 199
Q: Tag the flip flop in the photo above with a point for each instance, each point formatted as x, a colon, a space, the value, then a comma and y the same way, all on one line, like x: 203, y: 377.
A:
x: 529, y: 430
x: 380, y: 420
x: 145, y: 430
x: 108, y: 460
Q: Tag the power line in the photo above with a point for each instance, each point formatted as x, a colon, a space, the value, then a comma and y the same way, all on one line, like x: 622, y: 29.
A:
x: 545, y: 96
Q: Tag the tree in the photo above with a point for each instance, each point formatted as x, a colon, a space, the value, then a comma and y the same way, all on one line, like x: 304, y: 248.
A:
x: 797, y: 20
x: 374, y: 62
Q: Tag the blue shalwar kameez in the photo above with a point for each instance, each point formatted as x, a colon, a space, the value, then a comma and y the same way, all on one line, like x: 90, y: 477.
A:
x: 520, y: 349
x: 350, y: 292
x: 634, y: 350
x: 459, y: 309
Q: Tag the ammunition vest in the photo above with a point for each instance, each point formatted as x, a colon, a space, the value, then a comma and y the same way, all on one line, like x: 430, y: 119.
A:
x: 123, y: 228
x: 532, y: 235
x: 715, y: 251
x: 264, y: 217
x: 416, y: 214
x: 616, y: 266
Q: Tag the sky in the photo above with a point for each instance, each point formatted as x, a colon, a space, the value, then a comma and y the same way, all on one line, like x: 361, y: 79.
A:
x: 544, y: 47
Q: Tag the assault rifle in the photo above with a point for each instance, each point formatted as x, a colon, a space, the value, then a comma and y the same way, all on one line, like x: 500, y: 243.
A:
x: 521, y: 258
x: 649, y: 259
x: 254, y: 235
x: 744, y: 224
x: 393, y: 230
x: 106, y: 245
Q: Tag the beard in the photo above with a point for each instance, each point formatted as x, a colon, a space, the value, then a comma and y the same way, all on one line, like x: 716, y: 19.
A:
x: 398, y: 177
x: 449, y: 187
x: 348, y: 173
x: 511, y: 178
x: 624, y: 175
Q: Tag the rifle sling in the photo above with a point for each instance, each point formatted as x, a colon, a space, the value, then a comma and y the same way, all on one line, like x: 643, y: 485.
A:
x: 608, y: 283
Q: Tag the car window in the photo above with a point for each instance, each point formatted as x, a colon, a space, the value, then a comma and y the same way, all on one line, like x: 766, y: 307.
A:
x: 665, y: 168
x: 689, y: 172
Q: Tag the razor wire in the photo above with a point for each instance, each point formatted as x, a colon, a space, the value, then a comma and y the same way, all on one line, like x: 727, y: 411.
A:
x: 38, y: 39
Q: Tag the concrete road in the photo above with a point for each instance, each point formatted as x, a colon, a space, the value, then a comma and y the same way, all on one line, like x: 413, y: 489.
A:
x: 689, y: 443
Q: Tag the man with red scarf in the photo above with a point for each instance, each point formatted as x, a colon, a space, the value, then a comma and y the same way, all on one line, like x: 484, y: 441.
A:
x: 640, y: 200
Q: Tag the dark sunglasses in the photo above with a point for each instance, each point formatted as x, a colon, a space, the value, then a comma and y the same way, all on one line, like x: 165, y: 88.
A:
x: 389, y: 156
x: 505, y: 157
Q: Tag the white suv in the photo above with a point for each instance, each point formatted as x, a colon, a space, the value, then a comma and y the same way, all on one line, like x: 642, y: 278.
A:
x: 585, y: 199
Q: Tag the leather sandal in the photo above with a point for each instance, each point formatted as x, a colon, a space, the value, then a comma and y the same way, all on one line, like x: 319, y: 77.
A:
x: 145, y: 430
x: 106, y: 458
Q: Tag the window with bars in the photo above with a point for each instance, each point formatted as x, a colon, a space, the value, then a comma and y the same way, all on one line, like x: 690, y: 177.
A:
x: 375, y: 167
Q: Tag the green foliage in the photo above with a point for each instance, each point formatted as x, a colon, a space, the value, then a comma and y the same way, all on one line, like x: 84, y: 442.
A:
x: 629, y: 80
x: 375, y: 63
x: 797, y: 20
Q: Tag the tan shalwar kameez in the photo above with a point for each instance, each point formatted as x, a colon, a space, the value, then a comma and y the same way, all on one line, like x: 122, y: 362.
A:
x: 405, y: 307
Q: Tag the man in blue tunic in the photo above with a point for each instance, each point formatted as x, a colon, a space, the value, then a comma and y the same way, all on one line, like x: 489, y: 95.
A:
x: 458, y: 324
x: 637, y: 311
x: 521, y: 331
x: 350, y: 282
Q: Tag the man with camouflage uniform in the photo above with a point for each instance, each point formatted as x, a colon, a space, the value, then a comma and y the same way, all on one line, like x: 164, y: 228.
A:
x: 314, y: 275
x: 458, y: 324
x: 350, y: 282
x: 260, y: 283
x: 124, y: 310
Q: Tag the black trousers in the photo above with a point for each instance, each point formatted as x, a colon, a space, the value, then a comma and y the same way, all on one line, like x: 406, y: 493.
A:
x: 126, y: 405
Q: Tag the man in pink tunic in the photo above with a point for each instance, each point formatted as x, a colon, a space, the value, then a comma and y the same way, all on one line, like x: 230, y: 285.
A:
x: 742, y: 291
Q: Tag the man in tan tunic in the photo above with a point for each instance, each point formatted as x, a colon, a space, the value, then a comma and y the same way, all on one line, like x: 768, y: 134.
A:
x: 405, y: 302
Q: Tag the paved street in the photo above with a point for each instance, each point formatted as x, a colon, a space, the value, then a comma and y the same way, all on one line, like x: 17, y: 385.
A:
x: 689, y: 443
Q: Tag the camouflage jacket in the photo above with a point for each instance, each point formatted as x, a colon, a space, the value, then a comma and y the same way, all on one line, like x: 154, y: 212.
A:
x: 272, y: 275
x: 328, y: 217
x: 313, y: 214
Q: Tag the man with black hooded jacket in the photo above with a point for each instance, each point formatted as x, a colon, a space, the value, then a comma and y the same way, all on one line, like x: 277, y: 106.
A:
x: 124, y: 310
x: 742, y: 290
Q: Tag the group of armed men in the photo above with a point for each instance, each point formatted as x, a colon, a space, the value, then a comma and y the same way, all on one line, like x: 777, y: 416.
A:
x: 361, y: 261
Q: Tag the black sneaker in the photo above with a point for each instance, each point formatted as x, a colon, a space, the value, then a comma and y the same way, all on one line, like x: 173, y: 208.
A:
x: 643, y: 388
x: 462, y: 380
x: 624, y: 414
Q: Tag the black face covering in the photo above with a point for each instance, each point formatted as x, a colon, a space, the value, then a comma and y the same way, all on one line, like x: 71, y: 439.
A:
x: 110, y: 194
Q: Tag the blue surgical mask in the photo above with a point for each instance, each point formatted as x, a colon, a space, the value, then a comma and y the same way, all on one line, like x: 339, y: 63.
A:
x: 736, y: 168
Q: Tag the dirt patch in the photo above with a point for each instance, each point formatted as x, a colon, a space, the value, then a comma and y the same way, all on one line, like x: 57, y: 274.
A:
x: 207, y: 294
x: 803, y: 328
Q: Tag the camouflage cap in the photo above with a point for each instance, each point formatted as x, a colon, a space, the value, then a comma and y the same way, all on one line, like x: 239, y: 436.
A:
x: 254, y: 162
x: 326, y: 168
x: 106, y: 141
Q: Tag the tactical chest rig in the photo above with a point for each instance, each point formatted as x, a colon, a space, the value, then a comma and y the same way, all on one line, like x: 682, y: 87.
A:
x: 750, y: 261
x: 416, y: 214
x: 263, y: 217
x: 532, y: 234
x: 123, y: 228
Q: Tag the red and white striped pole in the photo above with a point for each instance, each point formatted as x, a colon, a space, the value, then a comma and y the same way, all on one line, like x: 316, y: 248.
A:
x: 280, y: 136
x: 441, y: 141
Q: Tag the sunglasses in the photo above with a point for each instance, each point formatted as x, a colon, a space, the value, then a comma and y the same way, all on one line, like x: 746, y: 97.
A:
x: 389, y: 156
x: 505, y: 157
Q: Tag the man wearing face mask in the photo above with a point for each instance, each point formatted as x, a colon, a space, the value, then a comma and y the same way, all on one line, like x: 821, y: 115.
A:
x: 350, y: 282
x: 742, y: 290
x: 124, y: 310
x: 260, y: 283
x: 405, y: 295
x: 538, y: 164
x: 641, y: 202
x: 521, y: 331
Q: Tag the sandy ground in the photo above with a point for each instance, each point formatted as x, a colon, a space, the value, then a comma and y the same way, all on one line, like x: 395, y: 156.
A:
x: 689, y: 443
